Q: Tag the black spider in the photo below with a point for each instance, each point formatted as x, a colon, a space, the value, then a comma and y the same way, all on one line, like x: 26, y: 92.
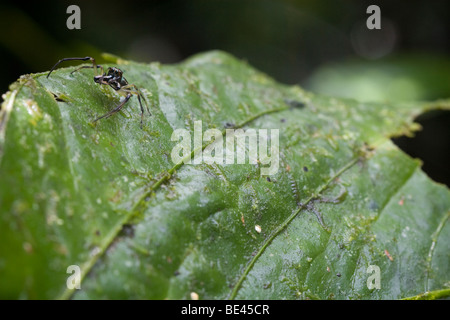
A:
x: 114, y: 78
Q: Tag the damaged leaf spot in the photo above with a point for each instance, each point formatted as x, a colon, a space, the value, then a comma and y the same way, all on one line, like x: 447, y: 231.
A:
x: 61, y: 97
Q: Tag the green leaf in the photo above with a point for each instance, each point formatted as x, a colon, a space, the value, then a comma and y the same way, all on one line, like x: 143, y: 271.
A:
x: 109, y: 199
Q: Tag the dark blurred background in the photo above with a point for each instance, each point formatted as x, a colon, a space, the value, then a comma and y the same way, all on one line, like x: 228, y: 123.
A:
x: 324, y: 46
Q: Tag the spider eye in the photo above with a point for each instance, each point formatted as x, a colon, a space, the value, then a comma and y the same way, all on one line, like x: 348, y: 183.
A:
x: 115, y: 72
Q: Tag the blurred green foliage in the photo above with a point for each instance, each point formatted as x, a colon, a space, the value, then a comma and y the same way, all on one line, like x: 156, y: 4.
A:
x: 400, y: 78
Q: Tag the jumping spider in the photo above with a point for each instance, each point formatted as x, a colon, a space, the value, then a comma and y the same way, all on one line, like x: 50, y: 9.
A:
x: 114, y: 78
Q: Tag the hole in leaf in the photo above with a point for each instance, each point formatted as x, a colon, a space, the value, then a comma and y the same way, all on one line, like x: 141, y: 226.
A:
x: 431, y: 145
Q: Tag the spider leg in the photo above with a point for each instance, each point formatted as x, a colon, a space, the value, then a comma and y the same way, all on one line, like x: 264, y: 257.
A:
x: 116, y: 109
x: 142, y: 110
x: 133, y: 89
x: 70, y: 59
x: 145, y: 101
x: 83, y: 67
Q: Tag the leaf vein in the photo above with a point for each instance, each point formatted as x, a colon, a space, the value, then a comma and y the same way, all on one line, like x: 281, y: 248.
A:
x: 283, y: 226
